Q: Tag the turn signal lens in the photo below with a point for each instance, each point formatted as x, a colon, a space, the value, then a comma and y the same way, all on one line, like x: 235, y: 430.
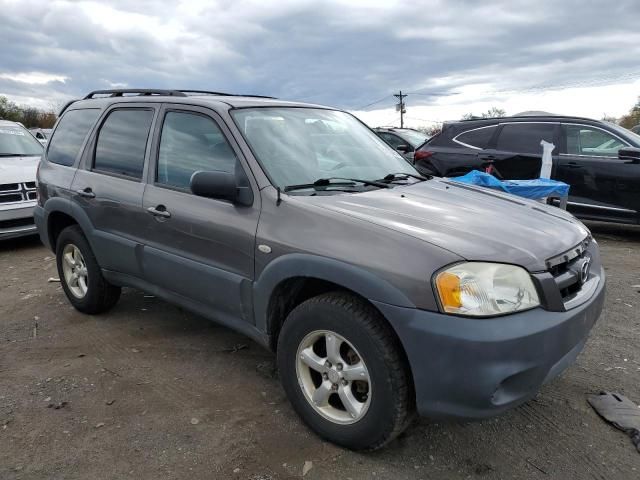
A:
x: 449, y: 290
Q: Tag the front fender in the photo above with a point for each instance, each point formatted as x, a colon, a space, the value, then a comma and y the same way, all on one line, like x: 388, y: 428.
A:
x: 349, y: 276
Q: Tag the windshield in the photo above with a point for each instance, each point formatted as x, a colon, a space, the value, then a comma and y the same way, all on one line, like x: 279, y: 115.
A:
x: 298, y: 146
x: 414, y: 137
x: 15, y: 140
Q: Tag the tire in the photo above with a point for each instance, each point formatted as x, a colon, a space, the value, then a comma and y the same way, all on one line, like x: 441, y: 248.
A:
x: 99, y: 295
x: 386, y: 408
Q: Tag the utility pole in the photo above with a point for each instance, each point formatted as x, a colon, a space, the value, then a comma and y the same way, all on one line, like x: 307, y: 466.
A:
x: 400, y: 106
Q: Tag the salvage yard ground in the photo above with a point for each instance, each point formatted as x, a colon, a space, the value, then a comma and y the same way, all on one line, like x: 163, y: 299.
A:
x: 149, y: 391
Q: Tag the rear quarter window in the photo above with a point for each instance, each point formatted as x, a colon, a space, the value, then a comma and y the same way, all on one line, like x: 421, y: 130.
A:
x: 478, y: 137
x: 69, y: 135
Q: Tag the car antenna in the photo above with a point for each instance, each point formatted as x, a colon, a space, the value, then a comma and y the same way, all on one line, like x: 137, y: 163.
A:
x: 279, y: 200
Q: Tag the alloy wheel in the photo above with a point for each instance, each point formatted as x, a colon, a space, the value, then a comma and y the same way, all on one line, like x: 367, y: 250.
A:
x: 333, y: 377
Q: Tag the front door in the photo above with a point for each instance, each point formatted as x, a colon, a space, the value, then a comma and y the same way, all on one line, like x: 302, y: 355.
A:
x: 199, y: 248
x: 602, y: 185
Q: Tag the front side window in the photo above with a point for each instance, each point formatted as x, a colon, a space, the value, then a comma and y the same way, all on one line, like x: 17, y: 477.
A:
x: 15, y: 141
x: 190, y: 143
x: 590, y: 141
x: 392, y: 139
x: 525, y: 137
x: 70, y: 133
x: 478, y: 137
x: 122, y: 142
x: 301, y: 145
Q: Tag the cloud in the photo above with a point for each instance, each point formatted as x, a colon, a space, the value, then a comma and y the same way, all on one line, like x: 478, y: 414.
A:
x: 338, y: 52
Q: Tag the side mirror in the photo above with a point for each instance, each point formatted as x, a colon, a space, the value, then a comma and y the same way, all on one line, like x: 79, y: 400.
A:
x: 403, y: 148
x: 220, y: 185
x: 629, y: 154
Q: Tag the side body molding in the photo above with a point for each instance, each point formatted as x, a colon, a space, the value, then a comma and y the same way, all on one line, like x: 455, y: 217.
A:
x: 344, y: 274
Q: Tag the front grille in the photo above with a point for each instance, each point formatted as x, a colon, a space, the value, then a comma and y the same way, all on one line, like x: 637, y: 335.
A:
x: 570, y: 269
x: 18, y: 192
x: 8, y: 187
x: 16, y: 223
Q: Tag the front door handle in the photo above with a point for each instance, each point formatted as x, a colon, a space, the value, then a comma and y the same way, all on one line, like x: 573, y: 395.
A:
x: 86, y: 193
x: 573, y: 165
x: 159, y: 211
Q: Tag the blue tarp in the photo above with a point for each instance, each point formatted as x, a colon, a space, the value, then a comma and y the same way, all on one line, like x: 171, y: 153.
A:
x: 535, y: 189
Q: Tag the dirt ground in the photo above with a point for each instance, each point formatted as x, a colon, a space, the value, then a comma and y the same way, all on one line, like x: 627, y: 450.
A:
x: 149, y: 391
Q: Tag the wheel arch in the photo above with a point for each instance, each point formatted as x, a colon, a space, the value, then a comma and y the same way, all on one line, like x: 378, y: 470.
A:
x: 291, y: 279
x: 60, y: 214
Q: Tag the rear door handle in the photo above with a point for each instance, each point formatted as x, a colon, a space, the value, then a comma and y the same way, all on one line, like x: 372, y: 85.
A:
x: 573, y: 165
x: 159, y: 211
x: 86, y: 193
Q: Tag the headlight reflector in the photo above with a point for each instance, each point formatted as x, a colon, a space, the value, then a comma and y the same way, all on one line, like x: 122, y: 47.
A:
x: 485, y: 289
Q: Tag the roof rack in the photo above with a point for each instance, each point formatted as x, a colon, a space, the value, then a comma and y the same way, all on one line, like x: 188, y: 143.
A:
x: 222, y: 94
x: 120, y: 92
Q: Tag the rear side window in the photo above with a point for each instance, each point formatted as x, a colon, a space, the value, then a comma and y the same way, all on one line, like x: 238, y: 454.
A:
x: 525, y: 137
x: 69, y: 135
x: 479, y: 137
x: 122, y: 142
x: 191, y: 143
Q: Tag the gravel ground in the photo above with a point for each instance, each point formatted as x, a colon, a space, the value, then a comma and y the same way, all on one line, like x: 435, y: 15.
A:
x: 149, y: 391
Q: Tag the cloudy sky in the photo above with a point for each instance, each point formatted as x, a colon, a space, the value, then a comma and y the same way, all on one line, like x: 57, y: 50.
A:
x: 452, y: 56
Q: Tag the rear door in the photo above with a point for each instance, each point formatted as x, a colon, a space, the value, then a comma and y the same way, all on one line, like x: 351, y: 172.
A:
x: 108, y: 187
x: 516, y: 152
x: 199, y: 248
x: 602, y: 185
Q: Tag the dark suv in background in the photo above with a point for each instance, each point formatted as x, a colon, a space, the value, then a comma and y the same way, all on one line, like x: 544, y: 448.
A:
x: 404, y: 140
x: 599, y: 160
x: 382, y: 291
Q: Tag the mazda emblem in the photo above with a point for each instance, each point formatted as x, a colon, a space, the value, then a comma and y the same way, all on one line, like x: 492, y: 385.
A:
x: 584, y: 270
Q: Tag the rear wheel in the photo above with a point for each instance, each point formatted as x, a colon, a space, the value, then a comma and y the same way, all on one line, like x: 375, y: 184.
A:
x: 342, y: 369
x: 80, y: 274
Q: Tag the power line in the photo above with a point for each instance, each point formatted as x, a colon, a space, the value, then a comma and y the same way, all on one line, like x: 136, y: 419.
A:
x: 372, y: 103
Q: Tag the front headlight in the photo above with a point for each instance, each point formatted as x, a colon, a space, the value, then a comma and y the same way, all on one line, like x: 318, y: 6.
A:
x: 485, y: 289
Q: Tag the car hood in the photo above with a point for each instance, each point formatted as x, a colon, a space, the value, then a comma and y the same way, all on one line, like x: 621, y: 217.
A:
x: 472, y: 222
x: 18, y: 169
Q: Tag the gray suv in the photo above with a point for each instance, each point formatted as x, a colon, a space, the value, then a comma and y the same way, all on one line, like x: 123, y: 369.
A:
x: 382, y: 292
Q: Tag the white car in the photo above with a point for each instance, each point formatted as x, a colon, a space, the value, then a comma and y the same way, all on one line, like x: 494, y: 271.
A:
x: 42, y: 134
x: 19, y: 156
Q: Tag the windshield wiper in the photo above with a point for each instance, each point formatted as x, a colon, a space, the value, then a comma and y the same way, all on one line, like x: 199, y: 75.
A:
x: 19, y: 154
x: 330, y: 182
x: 392, y: 177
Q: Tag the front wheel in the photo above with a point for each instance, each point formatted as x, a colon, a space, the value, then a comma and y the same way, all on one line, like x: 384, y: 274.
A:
x: 342, y: 369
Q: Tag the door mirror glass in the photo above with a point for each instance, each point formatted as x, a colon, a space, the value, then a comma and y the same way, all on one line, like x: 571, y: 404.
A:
x: 629, y: 154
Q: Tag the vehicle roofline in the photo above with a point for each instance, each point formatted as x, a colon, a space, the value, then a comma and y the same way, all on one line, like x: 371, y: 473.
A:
x: 204, y: 99
x: 549, y: 118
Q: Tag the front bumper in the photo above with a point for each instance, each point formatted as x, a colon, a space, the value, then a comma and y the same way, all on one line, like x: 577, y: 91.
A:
x: 476, y: 368
x: 16, y: 220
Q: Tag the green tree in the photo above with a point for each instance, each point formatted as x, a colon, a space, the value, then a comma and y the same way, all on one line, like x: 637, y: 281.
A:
x: 30, y: 117
x: 632, y: 119
x: 493, y: 112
